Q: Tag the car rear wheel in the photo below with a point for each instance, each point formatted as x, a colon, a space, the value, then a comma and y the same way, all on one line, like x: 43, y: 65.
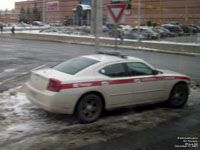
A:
x: 89, y: 108
x: 178, y: 96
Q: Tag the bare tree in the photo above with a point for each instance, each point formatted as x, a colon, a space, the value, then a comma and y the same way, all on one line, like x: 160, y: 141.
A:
x: 36, y: 14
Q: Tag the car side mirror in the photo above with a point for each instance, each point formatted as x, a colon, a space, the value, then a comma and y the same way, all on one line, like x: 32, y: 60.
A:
x: 155, y: 72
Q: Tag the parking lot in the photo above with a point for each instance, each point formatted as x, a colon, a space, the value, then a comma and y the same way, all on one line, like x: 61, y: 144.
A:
x: 25, y: 126
x: 140, y: 92
x: 164, y: 32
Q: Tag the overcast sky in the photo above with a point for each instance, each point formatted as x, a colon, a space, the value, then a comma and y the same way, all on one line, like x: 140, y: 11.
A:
x: 9, y: 4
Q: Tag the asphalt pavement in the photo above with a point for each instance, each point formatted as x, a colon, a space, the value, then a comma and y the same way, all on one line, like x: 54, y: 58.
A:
x: 17, y: 57
x: 177, y: 134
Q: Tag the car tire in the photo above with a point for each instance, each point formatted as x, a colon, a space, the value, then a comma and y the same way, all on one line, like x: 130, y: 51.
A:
x: 178, y: 96
x: 89, y: 108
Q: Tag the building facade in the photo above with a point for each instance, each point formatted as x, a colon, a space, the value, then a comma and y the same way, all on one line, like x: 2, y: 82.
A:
x: 78, y: 12
x: 8, y: 17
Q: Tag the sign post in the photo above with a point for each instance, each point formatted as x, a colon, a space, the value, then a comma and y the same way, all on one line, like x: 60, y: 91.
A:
x: 116, y: 16
x: 116, y: 13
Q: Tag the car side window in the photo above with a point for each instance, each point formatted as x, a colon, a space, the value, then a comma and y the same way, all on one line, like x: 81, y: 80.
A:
x: 114, y: 70
x: 139, y: 69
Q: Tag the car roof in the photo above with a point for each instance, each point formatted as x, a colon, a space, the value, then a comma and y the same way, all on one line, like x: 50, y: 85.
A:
x: 110, y: 58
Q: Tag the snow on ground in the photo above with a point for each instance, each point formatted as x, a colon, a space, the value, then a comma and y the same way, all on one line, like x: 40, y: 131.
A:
x: 25, y: 126
x: 162, y: 41
x: 27, y: 28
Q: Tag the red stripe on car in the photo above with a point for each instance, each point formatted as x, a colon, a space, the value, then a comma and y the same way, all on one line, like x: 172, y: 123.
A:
x: 122, y: 81
x: 183, y: 78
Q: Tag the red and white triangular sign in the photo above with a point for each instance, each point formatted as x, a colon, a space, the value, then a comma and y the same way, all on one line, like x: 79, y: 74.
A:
x: 116, y: 11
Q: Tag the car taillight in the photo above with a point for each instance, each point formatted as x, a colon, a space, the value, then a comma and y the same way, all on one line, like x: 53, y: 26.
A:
x: 179, y: 30
x: 54, y: 85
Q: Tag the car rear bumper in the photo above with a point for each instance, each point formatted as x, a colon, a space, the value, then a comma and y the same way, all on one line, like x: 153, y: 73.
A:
x: 48, y: 100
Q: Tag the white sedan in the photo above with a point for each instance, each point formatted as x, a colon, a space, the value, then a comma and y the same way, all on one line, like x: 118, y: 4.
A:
x: 87, y: 85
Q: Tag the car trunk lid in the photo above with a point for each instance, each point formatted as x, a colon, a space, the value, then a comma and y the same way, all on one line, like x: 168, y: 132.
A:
x: 40, y: 79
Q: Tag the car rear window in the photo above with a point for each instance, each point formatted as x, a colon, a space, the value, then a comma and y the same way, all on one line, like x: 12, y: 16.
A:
x: 75, y: 65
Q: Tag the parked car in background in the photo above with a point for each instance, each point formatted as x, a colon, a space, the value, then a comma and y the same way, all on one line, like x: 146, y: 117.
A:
x: 161, y: 32
x: 37, y: 23
x: 188, y: 30
x: 3, y: 24
x: 11, y: 24
x: 169, y: 33
x: 85, y: 29
x: 68, y: 30
x: 195, y: 28
x: 87, y: 85
x: 114, y: 32
x: 126, y: 29
x: 175, y: 23
x: 50, y: 30
x: 147, y: 32
x: 55, y: 23
x: 174, y: 28
x: 125, y: 26
x: 23, y: 24
x: 112, y: 26
x: 105, y: 28
x: 134, y: 36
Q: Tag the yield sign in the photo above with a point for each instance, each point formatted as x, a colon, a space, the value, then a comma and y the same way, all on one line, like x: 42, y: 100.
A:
x: 116, y: 11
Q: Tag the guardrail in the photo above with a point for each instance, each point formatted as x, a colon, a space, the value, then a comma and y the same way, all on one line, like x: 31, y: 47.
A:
x: 129, y: 44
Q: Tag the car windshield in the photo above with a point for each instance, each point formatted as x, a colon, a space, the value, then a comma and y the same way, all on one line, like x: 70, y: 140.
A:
x: 75, y: 65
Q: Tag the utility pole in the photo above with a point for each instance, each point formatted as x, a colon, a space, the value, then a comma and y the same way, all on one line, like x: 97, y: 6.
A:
x: 96, y: 21
x: 161, y: 11
x: 186, y: 11
x: 44, y: 12
x: 139, y: 20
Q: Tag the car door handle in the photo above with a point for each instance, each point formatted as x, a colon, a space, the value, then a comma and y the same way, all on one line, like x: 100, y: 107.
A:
x: 137, y: 80
x: 105, y: 83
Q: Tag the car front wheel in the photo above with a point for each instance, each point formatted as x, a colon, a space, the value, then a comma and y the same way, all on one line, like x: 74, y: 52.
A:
x: 89, y: 108
x: 178, y: 96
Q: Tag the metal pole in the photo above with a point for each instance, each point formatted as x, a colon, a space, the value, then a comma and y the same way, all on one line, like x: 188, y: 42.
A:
x: 96, y: 28
x: 44, y: 11
x: 116, y: 36
x: 161, y: 11
x: 186, y: 12
x: 139, y: 19
x: 97, y: 13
